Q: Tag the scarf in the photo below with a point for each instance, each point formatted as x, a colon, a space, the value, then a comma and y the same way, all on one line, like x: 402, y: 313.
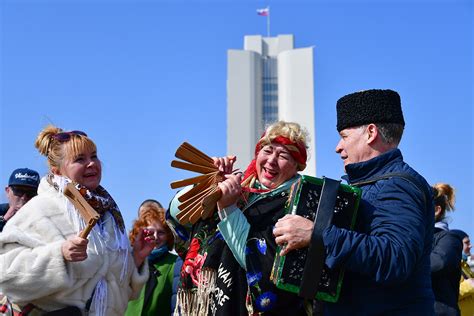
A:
x: 99, y: 199
x: 157, y: 253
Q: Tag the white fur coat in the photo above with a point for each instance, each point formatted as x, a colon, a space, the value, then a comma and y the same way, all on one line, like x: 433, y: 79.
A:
x: 32, y: 268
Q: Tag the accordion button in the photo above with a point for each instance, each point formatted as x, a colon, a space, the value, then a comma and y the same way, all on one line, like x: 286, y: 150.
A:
x: 283, y: 193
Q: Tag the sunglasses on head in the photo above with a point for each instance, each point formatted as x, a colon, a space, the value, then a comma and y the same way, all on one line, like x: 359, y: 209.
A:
x: 17, y: 191
x: 65, y: 136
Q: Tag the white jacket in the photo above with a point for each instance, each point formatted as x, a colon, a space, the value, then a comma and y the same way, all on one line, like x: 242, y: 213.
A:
x: 33, y: 270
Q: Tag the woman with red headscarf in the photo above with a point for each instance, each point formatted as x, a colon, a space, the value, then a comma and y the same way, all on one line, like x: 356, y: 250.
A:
x: 242, y: 247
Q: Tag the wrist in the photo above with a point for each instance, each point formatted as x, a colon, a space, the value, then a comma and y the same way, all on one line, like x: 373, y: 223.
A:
x: 10, y: 213
x: 138, y: 258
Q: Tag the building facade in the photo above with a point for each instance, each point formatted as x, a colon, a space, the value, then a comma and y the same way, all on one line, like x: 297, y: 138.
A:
x: 268, y: 80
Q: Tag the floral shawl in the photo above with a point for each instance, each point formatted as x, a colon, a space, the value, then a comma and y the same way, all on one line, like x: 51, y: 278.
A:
x: 212, y: 281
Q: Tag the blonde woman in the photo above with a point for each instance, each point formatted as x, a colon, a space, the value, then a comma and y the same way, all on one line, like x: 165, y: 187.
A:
x: 44, y: 264
x: 229, y: 260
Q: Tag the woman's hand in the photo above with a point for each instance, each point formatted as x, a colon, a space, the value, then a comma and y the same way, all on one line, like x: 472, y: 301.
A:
x: 231, y: 190
x: 143, y: 245
x: 75, y: 249
x: 293, y: 232
x: 225, y: 164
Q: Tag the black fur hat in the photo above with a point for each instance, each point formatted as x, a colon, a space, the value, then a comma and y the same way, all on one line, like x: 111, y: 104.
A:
x: 369, y: 106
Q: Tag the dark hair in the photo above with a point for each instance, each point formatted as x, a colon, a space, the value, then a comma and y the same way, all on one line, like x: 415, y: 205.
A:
x: 152, y: 200
x: 459, y: 233
x: 149, y: 203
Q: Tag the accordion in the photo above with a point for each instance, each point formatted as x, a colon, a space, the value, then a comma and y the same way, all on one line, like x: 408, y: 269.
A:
x: 324, y: 201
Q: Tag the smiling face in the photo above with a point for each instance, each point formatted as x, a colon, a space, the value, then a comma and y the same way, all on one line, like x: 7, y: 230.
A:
x: 84, y: 168
x: 159, y: 231
x: 275, y: 165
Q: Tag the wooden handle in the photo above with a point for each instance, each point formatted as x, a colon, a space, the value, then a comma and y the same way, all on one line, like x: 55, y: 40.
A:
x: 192, y: 167
x: 197, y: 152
x: 185, y: 182
x: 86, y: 231
x: 89, y: 215
x: 196, y: 189
x: 196, y: 215
x: 189, y: 156
x: 198, y: 197
x: 210, y: 201
x: 184, y: 216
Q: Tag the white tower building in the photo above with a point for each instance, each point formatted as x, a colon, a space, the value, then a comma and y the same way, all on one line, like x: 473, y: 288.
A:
x: 269, y: 80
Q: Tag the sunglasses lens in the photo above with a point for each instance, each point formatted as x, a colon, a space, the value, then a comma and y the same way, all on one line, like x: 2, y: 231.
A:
x: 78, y: 133
x: 65, y: 136
x: 62, y: 137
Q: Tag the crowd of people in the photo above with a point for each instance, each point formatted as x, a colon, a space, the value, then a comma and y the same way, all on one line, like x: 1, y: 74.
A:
x: 401, y: 257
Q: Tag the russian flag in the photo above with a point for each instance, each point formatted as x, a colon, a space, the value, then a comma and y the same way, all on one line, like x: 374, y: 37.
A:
x: 263, y: 12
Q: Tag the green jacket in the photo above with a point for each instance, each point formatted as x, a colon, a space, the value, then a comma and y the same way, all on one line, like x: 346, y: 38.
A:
x: 155, y: 297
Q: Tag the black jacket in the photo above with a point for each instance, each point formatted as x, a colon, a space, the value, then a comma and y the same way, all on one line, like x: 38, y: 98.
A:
x: 446, y: 271
x: 3, y: 211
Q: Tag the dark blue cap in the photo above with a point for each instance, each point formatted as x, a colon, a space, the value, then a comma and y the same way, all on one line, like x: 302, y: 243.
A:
x: 25, y: 177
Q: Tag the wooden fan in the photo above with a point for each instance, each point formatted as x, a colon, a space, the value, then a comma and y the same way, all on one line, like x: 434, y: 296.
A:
x: 200, y: 201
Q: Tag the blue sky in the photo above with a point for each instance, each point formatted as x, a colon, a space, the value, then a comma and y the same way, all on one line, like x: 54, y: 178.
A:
x: 141, y: 77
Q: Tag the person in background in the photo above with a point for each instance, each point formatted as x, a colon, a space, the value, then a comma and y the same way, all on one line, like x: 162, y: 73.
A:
x: 156, y: 297
x: 387, y: 257
x: 46, y: 265
x: 466, y: 255
x: 444, y: 196
x: 466, y: 287
x: 22, y: 186
x: 149, y: 204
x: 446, y: 254
x: 466, y: 250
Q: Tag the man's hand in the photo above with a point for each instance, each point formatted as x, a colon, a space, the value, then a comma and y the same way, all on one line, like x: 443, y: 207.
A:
x: 293, y: 232
x: 75, y: 249
x: 12, y: 211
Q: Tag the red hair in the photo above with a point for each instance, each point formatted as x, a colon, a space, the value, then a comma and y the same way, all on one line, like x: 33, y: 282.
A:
x: 149, y: 215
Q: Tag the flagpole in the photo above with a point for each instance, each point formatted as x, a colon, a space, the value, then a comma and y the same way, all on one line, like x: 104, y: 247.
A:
x: 268, y: 22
